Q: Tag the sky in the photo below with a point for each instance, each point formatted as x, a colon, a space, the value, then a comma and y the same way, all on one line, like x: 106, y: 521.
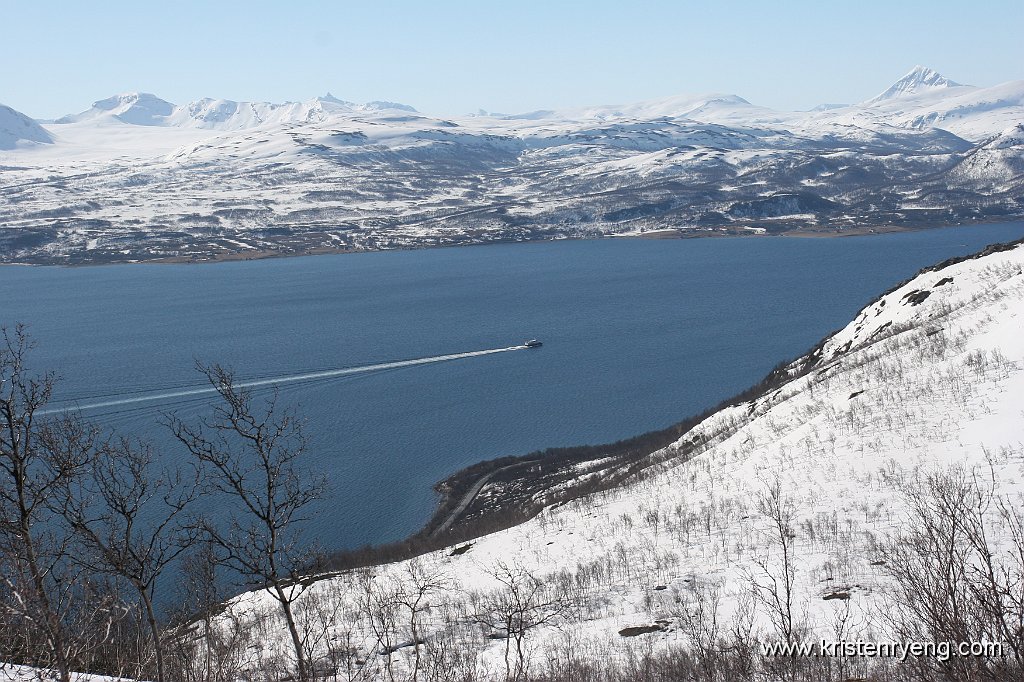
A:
x: 450, y: 58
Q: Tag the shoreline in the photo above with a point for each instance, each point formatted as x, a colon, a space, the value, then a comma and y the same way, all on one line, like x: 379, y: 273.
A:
x: 722, y: 232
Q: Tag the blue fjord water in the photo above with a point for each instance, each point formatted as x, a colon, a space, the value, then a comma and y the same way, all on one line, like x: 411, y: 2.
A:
x: 637, y: 335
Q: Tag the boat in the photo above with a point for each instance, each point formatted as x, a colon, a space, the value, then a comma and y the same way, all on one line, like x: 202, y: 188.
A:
x: 533, y: 343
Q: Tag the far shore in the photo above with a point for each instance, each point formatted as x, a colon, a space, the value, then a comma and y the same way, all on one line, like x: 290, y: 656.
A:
x: 727, y: 232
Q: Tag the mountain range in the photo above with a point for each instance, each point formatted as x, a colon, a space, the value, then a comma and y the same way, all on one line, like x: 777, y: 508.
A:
x: 135, y: 177
x: 141, y: 108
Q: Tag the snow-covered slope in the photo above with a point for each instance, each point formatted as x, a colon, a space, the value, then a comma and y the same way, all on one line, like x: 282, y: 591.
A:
x: 927, y: 379
x: 997, y: 165
x: 16, y: 127
x: 388, y: 179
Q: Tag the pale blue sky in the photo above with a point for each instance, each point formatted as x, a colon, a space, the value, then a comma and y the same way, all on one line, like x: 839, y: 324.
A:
x: 513, y: 56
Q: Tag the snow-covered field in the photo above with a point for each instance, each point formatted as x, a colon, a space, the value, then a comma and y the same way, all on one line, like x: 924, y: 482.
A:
x: 21, y: 673
x: 138, y: 178
x: 927, y: 380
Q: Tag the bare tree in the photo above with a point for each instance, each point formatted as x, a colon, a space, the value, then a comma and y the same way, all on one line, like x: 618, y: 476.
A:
x: 130, y: 522
x: 741, y: 653
x: 773, y: 588
x: 379, y: 604
x: 700, y: 623
x: 210, y: 645
x: 34, y: 548
x: 250, y: 454
x: 523, y: 603
x: 952, y: 581
x: 420, y: 586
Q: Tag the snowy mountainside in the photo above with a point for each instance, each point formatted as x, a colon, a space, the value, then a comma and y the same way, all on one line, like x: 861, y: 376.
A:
x: 405, y: 180
x: 16, y: 127
x: 996, y: 165
x: 138, y: 178
x: 926, y: 380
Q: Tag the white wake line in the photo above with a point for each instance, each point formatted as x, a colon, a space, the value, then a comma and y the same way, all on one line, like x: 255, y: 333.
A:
x: 326, y: 374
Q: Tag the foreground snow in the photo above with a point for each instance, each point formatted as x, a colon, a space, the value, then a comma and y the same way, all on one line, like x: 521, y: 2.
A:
x: 20, y: 673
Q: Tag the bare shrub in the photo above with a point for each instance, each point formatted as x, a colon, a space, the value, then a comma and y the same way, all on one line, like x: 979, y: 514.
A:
x: 953, y: 580
x: 250, y: 455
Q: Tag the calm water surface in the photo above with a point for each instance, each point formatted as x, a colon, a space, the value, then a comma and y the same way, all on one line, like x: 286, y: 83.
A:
x: 637, y: 335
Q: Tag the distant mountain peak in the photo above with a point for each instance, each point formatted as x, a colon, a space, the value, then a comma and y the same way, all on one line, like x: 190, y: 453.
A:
x: 136, y: 108
x: 16, y: 127
x: 918, y: 79
x: 129, y: 99
x: 332, y: 99
x: 143, y: 108
x: 379, y: 105
x: 828, y: 106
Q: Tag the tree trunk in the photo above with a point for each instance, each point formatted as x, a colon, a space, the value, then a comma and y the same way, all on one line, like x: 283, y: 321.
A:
x: 293, y: 630
x: 415, y: 643
x: 51, y: 624
x: 158, y: 648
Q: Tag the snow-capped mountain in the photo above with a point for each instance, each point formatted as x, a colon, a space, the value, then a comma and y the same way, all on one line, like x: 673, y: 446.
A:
x: 136, y: 177
x: 925, y: 99
x: 709, y: 108
x: 135, y: 108
x: 221, y: 114
x: 16, y: 127
x: 920, y: 79
x: 921, y: 99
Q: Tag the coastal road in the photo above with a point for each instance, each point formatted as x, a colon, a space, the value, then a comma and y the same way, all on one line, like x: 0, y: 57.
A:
x: 471, y: 494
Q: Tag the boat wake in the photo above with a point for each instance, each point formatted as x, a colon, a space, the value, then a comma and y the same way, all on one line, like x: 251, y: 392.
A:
x: 273, y: 381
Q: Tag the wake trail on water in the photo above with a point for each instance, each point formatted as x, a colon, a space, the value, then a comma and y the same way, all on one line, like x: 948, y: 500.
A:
x: 276, y: 381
